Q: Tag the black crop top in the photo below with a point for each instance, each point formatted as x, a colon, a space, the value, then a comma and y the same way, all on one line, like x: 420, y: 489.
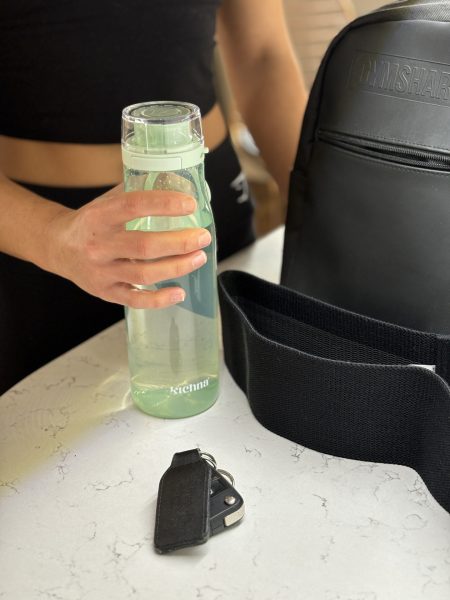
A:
x: 68, y: 67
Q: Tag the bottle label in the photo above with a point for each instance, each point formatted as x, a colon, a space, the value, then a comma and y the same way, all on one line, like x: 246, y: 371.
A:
x: 190, y: 387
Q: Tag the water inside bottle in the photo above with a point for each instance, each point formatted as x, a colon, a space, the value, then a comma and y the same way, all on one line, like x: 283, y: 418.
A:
x: 173, y: 352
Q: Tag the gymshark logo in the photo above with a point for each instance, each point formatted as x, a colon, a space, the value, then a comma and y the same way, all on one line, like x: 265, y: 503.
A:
x: 191, y: 387
x: 401, y: 77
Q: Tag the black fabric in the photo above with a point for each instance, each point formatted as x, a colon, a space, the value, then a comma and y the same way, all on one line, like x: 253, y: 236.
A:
x: 338, y: 382
x: 42, y: 315
x: 68, y: 68
x: 182, y: 513
x: 434, y: 10
x: 369, y: 216
x: 230, y: 200
x: 334, y: 363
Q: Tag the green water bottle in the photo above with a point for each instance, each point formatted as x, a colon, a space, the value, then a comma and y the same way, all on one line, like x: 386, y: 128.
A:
x: 173, y: 353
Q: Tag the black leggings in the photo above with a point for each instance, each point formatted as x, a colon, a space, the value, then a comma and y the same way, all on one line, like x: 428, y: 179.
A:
x: 43, y: 315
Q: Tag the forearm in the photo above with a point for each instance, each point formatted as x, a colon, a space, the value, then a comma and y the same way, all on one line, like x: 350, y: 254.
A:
x: 265, y: 78
x: 24, y: 223
x: 272, y: 106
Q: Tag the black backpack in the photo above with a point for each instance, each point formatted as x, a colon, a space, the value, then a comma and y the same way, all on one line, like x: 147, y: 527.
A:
x: 368, y: 226
x: 351, y: 355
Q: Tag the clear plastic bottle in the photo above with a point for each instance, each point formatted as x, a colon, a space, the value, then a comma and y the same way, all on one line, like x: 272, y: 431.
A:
x: 173, y: 353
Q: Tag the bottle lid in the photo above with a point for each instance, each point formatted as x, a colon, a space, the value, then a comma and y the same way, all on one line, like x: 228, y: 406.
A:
x: 162, y: 136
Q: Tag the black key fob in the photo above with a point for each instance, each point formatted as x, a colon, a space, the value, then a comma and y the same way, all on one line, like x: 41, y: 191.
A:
x: 195, y: 500
x: 226, y: 504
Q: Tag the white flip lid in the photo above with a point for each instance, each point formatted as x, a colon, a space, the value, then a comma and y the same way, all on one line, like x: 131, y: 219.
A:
x: 162, y: 136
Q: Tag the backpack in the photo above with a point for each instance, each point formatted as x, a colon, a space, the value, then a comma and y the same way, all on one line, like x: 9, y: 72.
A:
x: 368, y: 224
x: 350, y: 356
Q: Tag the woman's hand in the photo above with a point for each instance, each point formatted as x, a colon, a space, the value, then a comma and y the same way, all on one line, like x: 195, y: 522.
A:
x: 91, y: 247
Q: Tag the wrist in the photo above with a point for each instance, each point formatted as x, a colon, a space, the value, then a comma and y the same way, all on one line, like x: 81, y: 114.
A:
x: 48, y: 254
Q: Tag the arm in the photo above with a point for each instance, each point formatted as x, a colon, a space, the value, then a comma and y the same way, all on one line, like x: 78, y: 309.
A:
x: 265, y: 79
x: 90, y: 246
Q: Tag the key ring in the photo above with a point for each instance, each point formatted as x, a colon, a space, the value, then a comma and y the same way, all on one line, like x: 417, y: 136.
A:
x: 227, y: 476
x: 209, y: 458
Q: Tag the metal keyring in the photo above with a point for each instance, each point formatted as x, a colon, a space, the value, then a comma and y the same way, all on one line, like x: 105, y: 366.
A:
x: 227, y: 476
x: 209, y: 459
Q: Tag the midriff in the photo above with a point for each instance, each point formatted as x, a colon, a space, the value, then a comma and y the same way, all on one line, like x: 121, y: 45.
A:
x: 80, y: 165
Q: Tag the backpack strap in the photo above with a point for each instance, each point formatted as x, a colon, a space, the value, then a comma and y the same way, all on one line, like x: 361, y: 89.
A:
x: 338, y: 382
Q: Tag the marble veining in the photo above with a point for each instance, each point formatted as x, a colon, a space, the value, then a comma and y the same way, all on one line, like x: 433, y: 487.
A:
x: 79, y: 475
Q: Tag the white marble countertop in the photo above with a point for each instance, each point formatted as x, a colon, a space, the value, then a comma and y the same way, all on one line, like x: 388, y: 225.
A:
x: 79, y: 471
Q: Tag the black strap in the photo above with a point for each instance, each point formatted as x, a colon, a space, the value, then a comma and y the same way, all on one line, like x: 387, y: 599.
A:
x: 338, y: 382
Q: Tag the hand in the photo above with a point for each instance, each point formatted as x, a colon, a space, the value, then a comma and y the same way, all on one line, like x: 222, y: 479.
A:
x: 91, y: 247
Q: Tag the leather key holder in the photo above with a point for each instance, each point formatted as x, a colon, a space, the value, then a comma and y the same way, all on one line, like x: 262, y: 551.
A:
x: 195, y: 500
x: 338, y: 382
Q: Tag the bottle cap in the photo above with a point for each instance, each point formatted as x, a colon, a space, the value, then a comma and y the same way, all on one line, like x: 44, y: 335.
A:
x: 162, y: 136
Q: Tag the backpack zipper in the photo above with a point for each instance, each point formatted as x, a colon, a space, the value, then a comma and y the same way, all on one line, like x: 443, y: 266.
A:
x: 387, y: 151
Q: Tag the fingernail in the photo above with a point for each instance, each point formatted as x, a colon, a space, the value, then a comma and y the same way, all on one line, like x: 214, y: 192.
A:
x: 204, y: 240
x: 178, y: 296
x: 188, y: 205
x: 199, y: 260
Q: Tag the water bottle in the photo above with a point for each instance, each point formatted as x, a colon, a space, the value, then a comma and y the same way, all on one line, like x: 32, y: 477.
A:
x: 173, y: 353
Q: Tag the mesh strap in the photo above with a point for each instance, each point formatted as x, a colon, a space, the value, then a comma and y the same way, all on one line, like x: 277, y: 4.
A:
x: 338, y: 382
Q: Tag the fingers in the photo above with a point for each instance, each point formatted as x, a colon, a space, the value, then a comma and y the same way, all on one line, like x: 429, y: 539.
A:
x: 147, y: 245
x: 119, y: 207
x: 134, y: 298
x: 148, y: 273
x: 108, y: 261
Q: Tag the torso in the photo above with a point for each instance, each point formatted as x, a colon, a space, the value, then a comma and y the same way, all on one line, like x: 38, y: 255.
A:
x: 80, y: 165
x: 67, y: 69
